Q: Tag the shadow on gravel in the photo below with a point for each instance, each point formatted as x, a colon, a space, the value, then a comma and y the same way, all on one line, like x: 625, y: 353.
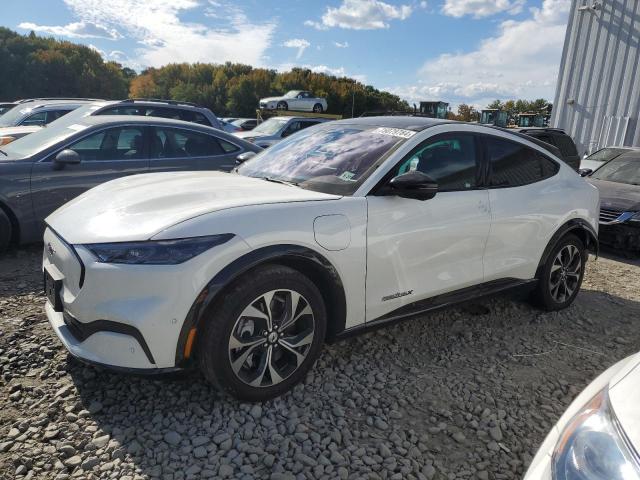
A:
x: 459, y: 392
x: 20, y: 271
x: 630, y: 258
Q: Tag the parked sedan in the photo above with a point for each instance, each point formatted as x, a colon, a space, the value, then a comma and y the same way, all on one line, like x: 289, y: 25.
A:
x: 618, y: 181
x: 600, y: 157
x: 598, y: 437
x: 42, y: 171
x: 337, y: 229
x: 273, y: 130
x: 300, y: 100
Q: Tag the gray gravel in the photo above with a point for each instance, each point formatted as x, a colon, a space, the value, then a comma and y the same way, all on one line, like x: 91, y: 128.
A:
x: 465, y: 393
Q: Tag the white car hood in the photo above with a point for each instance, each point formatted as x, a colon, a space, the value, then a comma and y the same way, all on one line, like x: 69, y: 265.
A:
x: 624, y: 394
x: 271, y: 99
x: 141, y: 206
x: 249, y: 134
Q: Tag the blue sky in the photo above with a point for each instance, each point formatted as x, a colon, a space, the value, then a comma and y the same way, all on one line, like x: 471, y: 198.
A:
x: 468, y: 51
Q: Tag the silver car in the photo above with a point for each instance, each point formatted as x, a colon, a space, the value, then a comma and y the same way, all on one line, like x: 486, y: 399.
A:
x: 300, y: 100
x: 40, y: 111
x: 275, y: 129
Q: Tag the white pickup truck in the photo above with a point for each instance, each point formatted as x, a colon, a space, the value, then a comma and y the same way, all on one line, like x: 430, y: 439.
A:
x: 300, y: 100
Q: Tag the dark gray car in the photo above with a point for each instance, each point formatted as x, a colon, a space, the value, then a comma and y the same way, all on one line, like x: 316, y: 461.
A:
x: 42, y: 171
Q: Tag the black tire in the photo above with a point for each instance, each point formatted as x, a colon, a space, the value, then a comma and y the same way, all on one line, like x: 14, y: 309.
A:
x: 567, y: 274
x: 282, y: 106
x: 317, y: 108
x: 214, y: 350
x: 5, y: 231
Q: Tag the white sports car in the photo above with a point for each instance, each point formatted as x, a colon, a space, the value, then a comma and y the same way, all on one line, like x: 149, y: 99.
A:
x: 342, y: 227
x: 299, y: 100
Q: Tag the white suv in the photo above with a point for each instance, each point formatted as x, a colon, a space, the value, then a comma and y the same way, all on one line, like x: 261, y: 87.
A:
x: 339, y: 228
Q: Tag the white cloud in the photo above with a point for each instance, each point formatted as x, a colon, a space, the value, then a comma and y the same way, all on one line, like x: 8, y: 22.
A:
x: 300, y: 43
x: 509, y: 65
x: 341, y: 45
x: 163, y: 37
x: 481, y: 8
x: 74, y: 30
x: 361, y: 15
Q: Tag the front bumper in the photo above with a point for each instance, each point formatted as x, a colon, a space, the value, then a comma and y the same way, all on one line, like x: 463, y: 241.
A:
x: 126, y: 316
x: 624, y: 236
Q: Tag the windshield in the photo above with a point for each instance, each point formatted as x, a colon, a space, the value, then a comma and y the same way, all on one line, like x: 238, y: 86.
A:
x: 271, y: 126
x: 331, y: 159
x: 623, y: 169
x: 605, y: 154
x: 44, y: 138
x: 291, y: 94
x: 12, y: 117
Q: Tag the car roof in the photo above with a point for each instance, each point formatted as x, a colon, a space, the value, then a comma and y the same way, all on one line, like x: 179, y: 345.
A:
x: 417, y: 124
x: 142, y: 119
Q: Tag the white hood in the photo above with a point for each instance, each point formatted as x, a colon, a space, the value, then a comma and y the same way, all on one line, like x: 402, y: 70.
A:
x: 248, y: 134
x: 271, y: 99
x: 624, y: 394
x: 140, y: 206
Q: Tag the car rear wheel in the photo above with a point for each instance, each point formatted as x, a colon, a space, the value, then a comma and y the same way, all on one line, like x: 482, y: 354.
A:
x: 264, y: 335
x: 282, y: 106
x: 5, y: 231
x: 317, y: 108
x: 562, y: 274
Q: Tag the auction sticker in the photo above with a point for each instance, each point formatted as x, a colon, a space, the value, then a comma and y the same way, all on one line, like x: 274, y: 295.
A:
x: 395, y: 132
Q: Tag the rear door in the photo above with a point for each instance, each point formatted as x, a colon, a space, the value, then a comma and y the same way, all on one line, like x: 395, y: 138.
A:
x: 526, y: 203
x: 105, y: 154
x: 175, y: 149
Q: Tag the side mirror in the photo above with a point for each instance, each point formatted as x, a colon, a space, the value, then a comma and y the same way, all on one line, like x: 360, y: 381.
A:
x: 244, y: 156
x: 66, y: 157
x: 415, y: 185
x: 585, y: 172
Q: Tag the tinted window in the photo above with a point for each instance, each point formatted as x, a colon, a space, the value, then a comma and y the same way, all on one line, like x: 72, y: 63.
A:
x: 450, y: 160
x: 566, y: 145
x: 513, y: 164
x: 177, y: 143
x: 118, y: 143
x: 292, y: 128
x: 55, y: 114
x: 39, y: 118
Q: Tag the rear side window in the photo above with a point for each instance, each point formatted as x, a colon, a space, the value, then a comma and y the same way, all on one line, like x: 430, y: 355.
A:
x: 178, y: 143
x: 118, y: 143
x: 513, y: 164
x: 39, y: 118
x: 566, y: 145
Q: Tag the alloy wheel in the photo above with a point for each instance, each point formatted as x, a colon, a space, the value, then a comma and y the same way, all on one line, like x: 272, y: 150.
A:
x: 271, y: 338
x: 565, y: 273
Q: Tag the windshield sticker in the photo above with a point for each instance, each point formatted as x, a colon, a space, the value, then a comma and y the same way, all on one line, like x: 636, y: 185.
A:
x: 77, y: 127
x: 395, y: 132
x: 348, y: 176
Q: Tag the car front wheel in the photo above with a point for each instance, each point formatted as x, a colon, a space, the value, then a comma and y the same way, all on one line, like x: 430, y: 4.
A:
x: 282, y: 106
x: 562, y: 274
x: 264, y: 335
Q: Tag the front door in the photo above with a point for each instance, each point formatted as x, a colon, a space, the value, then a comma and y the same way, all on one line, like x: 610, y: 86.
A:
x: 104, y: 155
x: 418, y: 249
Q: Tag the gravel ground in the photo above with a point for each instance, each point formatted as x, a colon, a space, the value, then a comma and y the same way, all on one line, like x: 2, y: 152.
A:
x: 465, y: 393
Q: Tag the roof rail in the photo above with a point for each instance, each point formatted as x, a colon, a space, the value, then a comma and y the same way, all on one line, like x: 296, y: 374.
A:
x: 161, y: 100
x: 27, y: 100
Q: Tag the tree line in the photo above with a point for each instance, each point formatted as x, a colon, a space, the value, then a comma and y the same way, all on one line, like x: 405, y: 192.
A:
x: 468, y: 113
x: 34, y: 66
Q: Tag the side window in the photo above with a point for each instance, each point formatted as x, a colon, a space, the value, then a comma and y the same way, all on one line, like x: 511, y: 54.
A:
x: 308, y: 123
x: 178, y: 143
x: 292, y: 128
x: 449, y: 159
x: 39, y: 118
x: 121, y: 111
x: 53, y: 115
x: 513, y: 164
x: 119, y: 143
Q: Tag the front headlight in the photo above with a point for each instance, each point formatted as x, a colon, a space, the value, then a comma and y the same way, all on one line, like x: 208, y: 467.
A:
x: 593, y: 447
x: 6, y: 140
x: 160, y: 252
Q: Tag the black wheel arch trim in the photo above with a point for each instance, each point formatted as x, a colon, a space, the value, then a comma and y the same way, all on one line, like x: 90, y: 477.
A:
x: 575, y: 224
x: 286, y: 254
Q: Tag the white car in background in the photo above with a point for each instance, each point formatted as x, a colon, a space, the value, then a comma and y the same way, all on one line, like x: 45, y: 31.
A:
x: 300, y: 100
x: 273, y: 130
x: 598, y: 437
x: 343, y: 227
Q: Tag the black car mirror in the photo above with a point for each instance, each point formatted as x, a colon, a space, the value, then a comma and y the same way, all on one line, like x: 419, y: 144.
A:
x: 244, y: 156
x: 66, y: 157
x: 585, y: 172
x: 415, y: 185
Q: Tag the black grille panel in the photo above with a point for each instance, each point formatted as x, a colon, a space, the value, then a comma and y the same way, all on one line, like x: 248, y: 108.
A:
x: 609, y: 215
